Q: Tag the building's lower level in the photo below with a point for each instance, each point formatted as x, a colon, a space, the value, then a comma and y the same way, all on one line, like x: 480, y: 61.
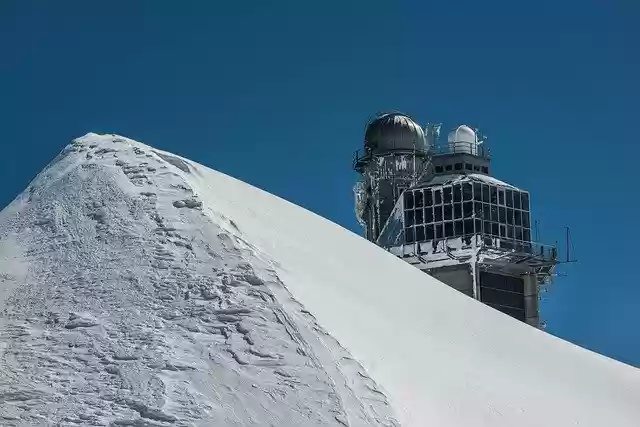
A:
x: 503, y: 278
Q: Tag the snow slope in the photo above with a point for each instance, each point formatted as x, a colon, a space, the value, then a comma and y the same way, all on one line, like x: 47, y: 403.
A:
x: 140, y: 288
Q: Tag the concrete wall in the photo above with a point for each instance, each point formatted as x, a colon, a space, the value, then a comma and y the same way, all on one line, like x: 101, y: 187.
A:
x: 531, y: 302
x: 457, y: 276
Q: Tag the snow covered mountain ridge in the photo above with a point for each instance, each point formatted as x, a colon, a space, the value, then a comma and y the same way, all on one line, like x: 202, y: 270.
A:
x: 141, y: 288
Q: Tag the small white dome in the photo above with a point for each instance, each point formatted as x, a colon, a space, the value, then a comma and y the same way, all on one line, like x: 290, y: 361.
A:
x: 463, y: 133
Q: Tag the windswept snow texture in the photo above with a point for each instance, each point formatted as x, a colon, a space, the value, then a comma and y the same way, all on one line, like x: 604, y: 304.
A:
x: 124, y: 302
x: 140, y: 288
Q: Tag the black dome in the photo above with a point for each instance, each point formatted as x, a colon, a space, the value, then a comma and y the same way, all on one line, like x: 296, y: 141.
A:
x: 394, y: 131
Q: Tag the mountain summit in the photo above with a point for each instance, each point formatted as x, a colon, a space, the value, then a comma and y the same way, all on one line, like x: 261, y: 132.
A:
x: 141, y: 288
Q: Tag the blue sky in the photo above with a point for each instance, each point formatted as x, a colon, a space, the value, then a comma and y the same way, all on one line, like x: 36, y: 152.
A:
x: 278, y: 94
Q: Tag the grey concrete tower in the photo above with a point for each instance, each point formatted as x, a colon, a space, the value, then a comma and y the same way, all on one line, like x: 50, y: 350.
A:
x: 438, y: 207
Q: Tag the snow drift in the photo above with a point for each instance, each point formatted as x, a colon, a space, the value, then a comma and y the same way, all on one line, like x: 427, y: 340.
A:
x: 141, y: 288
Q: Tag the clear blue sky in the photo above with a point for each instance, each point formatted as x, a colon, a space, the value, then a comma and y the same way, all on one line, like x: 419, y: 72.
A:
x: 278, y: 93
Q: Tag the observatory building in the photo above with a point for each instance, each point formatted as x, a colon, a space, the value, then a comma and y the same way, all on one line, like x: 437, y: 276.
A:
x: 437, y: 206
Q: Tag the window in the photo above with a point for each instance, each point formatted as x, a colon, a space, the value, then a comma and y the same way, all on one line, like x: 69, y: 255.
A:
x: 429, y: 232
x: 494, y: 195
x: 501, y: 197
x: 502, y: 215
x: 457, y: 210
x: 486, y: 211
x: 485, y: 169
x: 448, y: 229
x: 458, y: 166
x: 467, y: 191
x: 478, y: 225
x: 516, y: 200
x: 428, y: 197
x: 468, y: 226
x: 504, y: 283
x: 525, y: 219
x: 477, y: 191
x: 418, y: 198
x: 468, y: 166
x: 467, y: 209
x: 494, y: 213
x: 525, y: 201
x: 457, y: 193
x: 526, y: 235
x: 428, y: 215
x: 476, y: 168
x: 509, y: 216
x: 439, y: 169
x: 408, y: 199
x: 419, y: 216
x: 495, y: 230
x: 486, y: 227
x: 477, y: 208
x: 448, y: 167
x: 420, y: 237
x: 458, y: 229
x: 409, y: 235
x: 503, y: 230
x: 508, y: 302
x: 439, y: 231
x: 437, y: 213
x: 438, y: 197
x: 448, y: 213
x: 486, y: 196
x: 519, y: 233
x: 517, y: 217
x: 509, y: 195
x: 408, y: 218
x: 446, y: 194
x: 510, y: 232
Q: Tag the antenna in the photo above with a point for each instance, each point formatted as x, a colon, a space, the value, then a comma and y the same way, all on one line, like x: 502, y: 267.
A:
x: 569, y: 244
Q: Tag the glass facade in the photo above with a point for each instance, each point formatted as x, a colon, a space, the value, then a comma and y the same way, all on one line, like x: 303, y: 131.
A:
x: 464, y: 209
x: 503, y: 293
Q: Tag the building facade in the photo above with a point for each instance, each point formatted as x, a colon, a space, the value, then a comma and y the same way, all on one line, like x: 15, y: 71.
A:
x: 438, y: 207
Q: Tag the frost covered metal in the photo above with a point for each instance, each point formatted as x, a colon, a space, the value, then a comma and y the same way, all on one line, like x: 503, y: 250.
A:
x: 360, y: 198
x: 394, y: 157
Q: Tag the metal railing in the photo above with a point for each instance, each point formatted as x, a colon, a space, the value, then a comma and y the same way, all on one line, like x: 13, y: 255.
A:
x: 546, y: 252
x: 363, y: 156
x: 472, y: 148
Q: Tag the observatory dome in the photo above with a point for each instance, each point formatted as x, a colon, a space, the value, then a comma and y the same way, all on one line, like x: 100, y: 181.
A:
x: 463, y: 133
x: 394, y: 131
x: 463, y: 139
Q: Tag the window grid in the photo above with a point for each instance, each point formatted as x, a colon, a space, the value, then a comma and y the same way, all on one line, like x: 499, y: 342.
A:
x: 460, y: 166
x: 466, y: 209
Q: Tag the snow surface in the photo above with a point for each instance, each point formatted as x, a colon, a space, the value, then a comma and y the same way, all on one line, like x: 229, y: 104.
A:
x: 457, y: 178
x: 141, y: 288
